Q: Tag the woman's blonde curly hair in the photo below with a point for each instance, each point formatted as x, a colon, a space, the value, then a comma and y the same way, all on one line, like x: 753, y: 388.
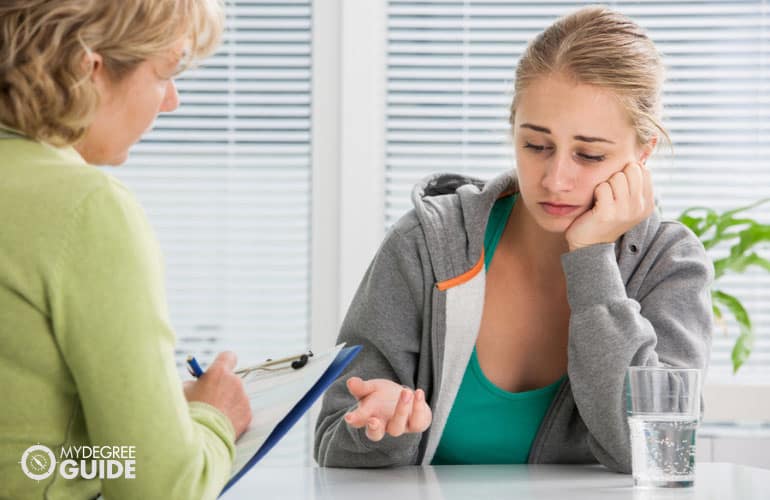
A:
x: 46, y: 92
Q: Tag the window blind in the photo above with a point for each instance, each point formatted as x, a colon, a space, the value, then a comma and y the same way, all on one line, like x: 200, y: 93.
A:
x: 225, y: 182
x: 450, y: 70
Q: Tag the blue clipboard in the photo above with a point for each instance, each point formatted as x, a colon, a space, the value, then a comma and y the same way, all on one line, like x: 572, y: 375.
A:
x: 343, y: 358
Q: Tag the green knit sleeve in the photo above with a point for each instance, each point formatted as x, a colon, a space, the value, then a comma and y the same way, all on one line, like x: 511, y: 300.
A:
x: 110, y: 320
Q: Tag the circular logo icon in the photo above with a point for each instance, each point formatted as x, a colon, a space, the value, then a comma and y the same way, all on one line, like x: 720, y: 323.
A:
x: 38, y: 462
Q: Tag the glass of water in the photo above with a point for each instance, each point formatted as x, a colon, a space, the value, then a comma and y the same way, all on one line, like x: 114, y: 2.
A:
x: 663, y: 407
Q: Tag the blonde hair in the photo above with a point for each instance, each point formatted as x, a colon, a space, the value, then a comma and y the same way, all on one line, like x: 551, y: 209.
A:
x: 597, y: 46
x: 46, y: 91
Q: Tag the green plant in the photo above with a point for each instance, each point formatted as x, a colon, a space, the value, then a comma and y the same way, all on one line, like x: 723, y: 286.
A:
x: 743, y: 234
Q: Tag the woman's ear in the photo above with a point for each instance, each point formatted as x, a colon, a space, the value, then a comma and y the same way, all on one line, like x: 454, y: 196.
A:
x: 93, y: 66
x: 96, y: 72
x: 647, y: 149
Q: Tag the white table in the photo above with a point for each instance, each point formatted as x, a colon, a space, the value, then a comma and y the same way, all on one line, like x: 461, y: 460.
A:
x: 714, y: 481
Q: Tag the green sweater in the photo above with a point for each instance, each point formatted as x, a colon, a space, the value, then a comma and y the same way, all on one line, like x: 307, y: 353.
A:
x: 87, y: 354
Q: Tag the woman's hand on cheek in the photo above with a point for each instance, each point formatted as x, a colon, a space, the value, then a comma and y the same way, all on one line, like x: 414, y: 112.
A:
x: 621, y: 202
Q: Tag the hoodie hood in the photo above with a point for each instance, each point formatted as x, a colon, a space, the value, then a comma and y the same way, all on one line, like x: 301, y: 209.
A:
x: 445, y: 203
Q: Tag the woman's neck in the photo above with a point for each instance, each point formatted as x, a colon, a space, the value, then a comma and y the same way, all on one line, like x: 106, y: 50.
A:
x: 524, y: 237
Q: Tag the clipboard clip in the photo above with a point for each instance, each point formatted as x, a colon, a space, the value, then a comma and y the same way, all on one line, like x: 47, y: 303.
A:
x: 295, y: 362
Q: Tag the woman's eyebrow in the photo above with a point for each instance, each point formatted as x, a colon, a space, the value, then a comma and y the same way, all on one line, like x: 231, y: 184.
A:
x: 582, y: 138
x: 591, y: 139
x: 536, y: 128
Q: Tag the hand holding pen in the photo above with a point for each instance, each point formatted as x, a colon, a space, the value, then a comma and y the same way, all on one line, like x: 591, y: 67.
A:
x: 193, y: 367
x: 221, y: 388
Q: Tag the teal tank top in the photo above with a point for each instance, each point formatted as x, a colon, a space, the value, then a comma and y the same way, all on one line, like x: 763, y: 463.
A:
x: 488, y: 425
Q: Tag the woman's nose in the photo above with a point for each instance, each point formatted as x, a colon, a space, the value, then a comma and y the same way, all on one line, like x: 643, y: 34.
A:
x: 560, y: 174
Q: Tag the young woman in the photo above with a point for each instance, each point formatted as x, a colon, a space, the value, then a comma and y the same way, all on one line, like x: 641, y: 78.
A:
x: 87, y: 356
x: 515, y: 306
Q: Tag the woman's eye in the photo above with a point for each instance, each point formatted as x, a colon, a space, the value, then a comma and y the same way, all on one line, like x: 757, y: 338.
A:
x: 535, y: 147
x: 596, y: 158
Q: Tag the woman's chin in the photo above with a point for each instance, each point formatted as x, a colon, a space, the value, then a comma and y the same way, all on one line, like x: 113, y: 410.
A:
x: 557, y: 229
x: 109, y: 160
x: 555, y: 224
x: 118, y: 159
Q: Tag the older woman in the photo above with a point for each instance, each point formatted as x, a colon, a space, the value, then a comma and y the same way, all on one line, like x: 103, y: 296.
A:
x: 87, y: 351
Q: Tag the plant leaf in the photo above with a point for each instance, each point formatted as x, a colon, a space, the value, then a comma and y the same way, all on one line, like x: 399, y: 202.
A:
x: 742, y: 350
x: 699, y: 224
x: 720, y: 230
x: 713, y: 228
x: 736, y: 309
x: 690, y: 222
x: 756, y: 233
x: 745, y: 343
x: 738, y: 264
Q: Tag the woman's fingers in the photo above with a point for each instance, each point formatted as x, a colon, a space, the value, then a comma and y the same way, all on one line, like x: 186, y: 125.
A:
x: 386, y: 408
x: 620, y: 191
x: 604, y: 200
x: 649, y: 197
x: 225, y: 360
x: 360, y: 388
x: 635, y: 178
x: 375, y: 429
x: 620, y: 203
x: 421, y: 416
x: 357, y: 418
x: 397, y: 423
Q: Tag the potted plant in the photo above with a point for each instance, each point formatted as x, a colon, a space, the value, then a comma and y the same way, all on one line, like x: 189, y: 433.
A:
x: 743, y: 234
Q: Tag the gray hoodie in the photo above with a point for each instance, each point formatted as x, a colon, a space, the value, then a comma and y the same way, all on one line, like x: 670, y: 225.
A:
x: 643, y: 300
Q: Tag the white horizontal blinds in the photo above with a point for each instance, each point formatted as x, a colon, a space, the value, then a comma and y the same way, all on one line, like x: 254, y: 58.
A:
x: 447, y: 95
x: 449, y: 85
x: 225, y: 181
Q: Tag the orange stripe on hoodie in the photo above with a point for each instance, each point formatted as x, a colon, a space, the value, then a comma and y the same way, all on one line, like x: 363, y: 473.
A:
x: 464, y: 277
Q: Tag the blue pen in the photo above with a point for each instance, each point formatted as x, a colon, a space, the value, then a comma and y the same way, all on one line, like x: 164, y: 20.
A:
x: 193, y: 367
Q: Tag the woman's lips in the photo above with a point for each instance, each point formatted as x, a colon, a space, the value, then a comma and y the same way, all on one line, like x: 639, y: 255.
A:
x: 558, y: 209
